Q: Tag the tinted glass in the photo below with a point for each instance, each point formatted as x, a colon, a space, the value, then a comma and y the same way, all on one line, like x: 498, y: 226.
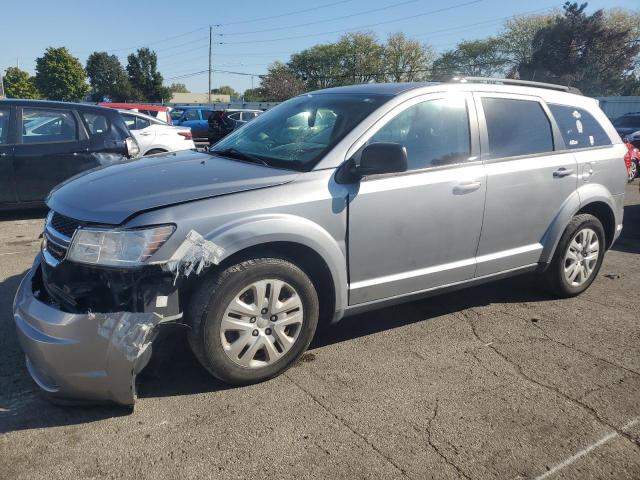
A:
x: 299, y: 132
x: 4, y: 125
x: 435, y: 132
x: 142, y: 123
x: 627, y: 121
x: 96, y: 123
x: 191, y: 115
x: 42, y: 125
x: 579, y: 129
x: 516, y: 127
x: 129, y: 120
x: 176, y: 113
x: 206, y: 114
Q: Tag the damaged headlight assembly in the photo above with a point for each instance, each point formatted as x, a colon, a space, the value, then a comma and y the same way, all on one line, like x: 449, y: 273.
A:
x: 117, y: 248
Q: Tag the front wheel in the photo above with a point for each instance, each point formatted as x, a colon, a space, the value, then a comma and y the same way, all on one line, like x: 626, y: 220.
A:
x: 253, y: 320
x: 578, y: 257
x: 633, y: 170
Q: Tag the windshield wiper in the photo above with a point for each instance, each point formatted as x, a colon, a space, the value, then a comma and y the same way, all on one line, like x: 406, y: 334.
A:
x: 234, y: 153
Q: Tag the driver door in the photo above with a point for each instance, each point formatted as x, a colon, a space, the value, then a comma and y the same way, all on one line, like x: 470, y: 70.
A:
x: 419, y: 229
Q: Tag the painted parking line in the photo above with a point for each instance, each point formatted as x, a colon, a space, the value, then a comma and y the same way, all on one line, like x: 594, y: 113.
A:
x: 573, y: 458
x: 11, y: 253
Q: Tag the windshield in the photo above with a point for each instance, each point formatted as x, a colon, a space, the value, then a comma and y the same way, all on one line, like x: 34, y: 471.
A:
x: 630, y: 121
x: 299, y: 132
x: 176, y: 113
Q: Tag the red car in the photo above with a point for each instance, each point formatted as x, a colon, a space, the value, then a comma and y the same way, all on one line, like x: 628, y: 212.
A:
x: 158, y: 111
x: 632, y: 161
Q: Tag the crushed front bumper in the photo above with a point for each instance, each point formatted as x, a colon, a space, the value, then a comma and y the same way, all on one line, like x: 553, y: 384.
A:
x: 89, y: 357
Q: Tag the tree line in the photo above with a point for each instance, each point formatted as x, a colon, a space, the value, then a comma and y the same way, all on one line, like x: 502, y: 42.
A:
x: 596, y: 53
x: 60, y: 76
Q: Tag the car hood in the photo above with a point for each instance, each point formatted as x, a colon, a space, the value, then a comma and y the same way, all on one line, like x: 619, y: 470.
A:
x: 113, y: 193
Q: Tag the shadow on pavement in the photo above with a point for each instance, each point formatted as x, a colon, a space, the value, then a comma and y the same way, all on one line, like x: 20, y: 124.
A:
x: 26, y: 214
x: 629, y: 240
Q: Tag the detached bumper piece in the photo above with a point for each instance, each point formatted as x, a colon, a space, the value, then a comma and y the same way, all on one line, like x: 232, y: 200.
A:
x: 84, y: 357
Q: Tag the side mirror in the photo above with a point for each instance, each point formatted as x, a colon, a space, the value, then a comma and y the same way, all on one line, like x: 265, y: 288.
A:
x: 380, y: 158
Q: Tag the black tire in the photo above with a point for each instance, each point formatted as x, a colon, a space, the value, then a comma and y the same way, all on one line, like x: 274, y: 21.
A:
x: 555, y: 280
x: 633, y: 175
x: 209, y: 302
x: 155, y: 151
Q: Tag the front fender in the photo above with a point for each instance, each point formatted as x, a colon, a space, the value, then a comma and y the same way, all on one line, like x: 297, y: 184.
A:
x: 267, y: 228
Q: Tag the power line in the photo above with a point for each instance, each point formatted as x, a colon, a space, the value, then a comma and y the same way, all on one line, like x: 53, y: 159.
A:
x: 326, y: 5
x: 316, y: 22
x: 417, y: 15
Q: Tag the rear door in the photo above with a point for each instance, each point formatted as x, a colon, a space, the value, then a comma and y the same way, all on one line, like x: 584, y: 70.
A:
x: 49, y: 145
x: 7, y: 143
x: 530, y: 175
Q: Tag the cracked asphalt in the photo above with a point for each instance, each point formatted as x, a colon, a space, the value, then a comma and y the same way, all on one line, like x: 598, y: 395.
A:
x: 497, y: 381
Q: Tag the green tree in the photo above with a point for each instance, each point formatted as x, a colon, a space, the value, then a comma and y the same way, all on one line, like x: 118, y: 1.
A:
x: 516, y: 40
x: 254, y: 95
x: 406, y: 60
x: 318, y: 66
x: 225, y: 90
x: 476, y: 58
x: 144, y: 76
x: 108, y: 78
x: 18, y: 84
x: 60, y: 76
x: 362, y: 58
x: 586, y: 51
x: 178, y: 88
x: 280, y: 83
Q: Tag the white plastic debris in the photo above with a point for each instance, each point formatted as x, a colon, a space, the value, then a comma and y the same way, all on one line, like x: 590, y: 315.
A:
x: 194, y: 255
x: 128, y: 332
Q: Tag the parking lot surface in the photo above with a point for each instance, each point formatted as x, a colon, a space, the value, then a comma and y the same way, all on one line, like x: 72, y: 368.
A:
x: 497, y: 381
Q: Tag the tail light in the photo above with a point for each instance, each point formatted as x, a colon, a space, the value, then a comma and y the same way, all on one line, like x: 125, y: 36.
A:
x: 187, y: 135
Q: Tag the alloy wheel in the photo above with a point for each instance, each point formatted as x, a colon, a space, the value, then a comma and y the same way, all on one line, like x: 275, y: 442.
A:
x: 581, y: 257
x: 262, y: 323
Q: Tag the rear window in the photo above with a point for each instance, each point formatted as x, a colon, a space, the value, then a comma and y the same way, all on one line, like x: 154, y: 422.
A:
x: 41, y: 125
x: 516, y: 127
x: 97, y: 123
x: 578, y: 127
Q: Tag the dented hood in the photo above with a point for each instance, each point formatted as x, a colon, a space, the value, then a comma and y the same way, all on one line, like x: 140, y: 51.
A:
x: 113, y: 193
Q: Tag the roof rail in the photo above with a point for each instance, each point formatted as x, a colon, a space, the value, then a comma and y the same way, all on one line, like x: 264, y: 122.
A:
x: 511, y: 81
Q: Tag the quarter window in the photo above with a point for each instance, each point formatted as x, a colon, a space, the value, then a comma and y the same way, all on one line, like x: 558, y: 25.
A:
x: 578, y: 127
x: 516, y: 127
x: 4, y: 126
x: 434, y: 132
x: 42, y: 125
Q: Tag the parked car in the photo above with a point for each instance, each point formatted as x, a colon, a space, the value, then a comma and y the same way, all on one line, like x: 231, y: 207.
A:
x: 332, y: 203
x: 632, y: 161
x: 628, y: 126
x: 160, y: 112
x: 223, y: 122
x: 196, y: 118
x: 44, y: 143
x: 154, y: 136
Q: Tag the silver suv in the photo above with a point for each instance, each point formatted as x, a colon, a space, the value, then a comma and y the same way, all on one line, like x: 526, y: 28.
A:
x: 333, y: 203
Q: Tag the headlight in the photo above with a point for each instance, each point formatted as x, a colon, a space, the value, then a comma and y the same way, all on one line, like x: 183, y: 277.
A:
x: 117, y: 247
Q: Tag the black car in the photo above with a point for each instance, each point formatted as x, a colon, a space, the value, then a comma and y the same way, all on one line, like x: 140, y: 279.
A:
x: 44, y: 143
x: 627, y: 125
x: 223, y: 122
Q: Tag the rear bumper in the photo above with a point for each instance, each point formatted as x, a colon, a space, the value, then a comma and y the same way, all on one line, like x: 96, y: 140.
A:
x: 82, y: 357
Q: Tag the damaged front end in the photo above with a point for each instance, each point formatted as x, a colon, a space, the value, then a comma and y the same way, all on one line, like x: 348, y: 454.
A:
x: 88, y: 330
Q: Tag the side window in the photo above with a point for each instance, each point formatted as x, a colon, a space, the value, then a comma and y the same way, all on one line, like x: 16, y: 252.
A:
x: 516, y: 127
x: 434, y: 132
x: 129, y: 120
x: 96, y: 123
x: 142, y: 123
x: 42, y: 125
x: 4, y: 126
x: 578, y: 127
x: 234, y: 116
x: 206, y: 114
x: 191, y: 115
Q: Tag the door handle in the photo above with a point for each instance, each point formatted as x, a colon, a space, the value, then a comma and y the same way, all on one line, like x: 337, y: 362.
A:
x: 563, y: 172
x: 466, y: 187
x: 145, y: 134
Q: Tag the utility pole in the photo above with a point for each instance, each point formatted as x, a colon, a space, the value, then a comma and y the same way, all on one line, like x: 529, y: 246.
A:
x: 210, y: 35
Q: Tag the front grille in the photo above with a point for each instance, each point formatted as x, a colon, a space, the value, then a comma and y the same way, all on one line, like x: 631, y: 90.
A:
x: 65, y: 225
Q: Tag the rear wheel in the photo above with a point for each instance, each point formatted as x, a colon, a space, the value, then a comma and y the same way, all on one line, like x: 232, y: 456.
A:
x: 633, y: 170
x: 578, y: 257
x: 253, y: 320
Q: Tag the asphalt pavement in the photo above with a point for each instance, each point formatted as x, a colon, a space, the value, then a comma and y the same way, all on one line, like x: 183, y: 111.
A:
x: 497, y: 381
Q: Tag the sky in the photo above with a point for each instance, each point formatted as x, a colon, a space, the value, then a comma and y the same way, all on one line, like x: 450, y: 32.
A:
x: 248, y: 35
